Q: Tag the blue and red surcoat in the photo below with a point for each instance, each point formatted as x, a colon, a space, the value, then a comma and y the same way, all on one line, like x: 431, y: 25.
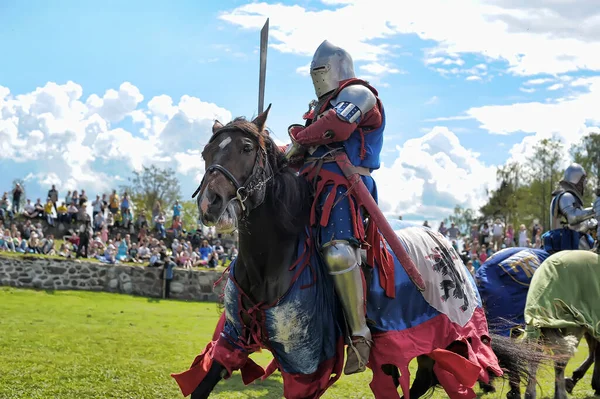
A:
x: 336, y: 213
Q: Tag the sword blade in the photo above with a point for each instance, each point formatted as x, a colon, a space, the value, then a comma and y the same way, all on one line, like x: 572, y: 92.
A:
x: 264, y: 41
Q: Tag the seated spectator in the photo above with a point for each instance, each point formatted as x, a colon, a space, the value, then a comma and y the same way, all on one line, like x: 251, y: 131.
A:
x: 205, y: 250
x: 47, y: 245
x: 141, y: 221
x: 6, y: 242
x: 48, y: 208
x: 29, y: 210
x: 104, y: 233
x: 72, y: 212
x: 122, y: 253
x: 5, y: 212
x: 98, y: 221
x: 39, y: 207
x: 33, y: 244
x: 118, y: 219
x: 133, y: 253
x: 110, y: 220
x: 62, y: 213
x: 128, y: 219
x: 64, y: 251
x: 220, y: 252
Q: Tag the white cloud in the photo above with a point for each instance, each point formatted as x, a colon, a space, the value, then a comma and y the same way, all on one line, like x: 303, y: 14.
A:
x: 77, y: 143
x: 303, y: 70
x: 432, y: 101
x: 376, y: 68
x: 527, y: 90
x: 556, y: 86
x: 473, y: 77
x: 568, y: 118
x: 431, y: 175
x: 535, y: 37
x: 114, y: 105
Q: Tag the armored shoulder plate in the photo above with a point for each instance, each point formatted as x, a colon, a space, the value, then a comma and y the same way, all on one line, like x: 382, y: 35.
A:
x: 358, y: 96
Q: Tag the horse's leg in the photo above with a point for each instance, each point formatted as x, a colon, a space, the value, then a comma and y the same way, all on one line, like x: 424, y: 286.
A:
x: 392, y: 371
x: 530, y: 391
x: 560, y: 391
x: 596, y: 374
x: 564, y: 344
x: 488, y: 387
x: 424, y: 379
x: 581, y: 370
x: 214, y: 375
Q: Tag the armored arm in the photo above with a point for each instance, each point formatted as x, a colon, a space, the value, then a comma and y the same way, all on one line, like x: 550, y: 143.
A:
x: 350, y: 105
x: 569, y: 207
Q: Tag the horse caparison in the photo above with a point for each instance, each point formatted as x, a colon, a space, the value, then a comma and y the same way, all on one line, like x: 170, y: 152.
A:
x: 276, y: 213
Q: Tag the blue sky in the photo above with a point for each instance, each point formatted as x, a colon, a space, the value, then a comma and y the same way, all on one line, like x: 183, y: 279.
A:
x: 461, y: 95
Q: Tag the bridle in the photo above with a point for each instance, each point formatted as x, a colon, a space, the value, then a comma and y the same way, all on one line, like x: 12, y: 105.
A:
x: 254, y: 184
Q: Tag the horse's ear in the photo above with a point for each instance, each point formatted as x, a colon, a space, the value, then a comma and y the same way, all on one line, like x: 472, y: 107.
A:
x: 216, y: 126
x: 261, y: 120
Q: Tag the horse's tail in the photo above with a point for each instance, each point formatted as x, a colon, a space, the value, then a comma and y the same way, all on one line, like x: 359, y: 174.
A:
x: 517, y: 357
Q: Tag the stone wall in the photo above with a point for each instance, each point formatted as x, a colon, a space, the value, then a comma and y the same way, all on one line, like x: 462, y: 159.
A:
x: 66, y: 274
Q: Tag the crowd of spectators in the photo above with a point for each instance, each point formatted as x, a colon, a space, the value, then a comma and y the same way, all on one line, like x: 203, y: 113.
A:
x: 485, y: 239
x: 110, y: 234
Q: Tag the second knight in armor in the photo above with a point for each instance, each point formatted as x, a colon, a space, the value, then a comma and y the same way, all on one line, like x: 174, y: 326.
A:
x: 567, y: 212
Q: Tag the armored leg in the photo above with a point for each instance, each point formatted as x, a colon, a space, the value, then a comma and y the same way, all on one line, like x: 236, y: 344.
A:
x: 343, y: 261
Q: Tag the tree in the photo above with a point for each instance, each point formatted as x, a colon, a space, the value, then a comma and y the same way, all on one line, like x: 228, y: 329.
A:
x: 545, y: 172
x: 189, y: 214
x: 150, y: 185
x: 462, y: 219
x: 587, y: 154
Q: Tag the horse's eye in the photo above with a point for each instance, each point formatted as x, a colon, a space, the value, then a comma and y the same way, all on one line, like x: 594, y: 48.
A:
x: 247, y: 147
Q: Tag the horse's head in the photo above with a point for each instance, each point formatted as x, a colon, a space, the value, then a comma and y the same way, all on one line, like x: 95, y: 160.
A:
x: 237, y: 170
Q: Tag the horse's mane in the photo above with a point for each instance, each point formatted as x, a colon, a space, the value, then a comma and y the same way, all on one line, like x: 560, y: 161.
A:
x: 288, y: 196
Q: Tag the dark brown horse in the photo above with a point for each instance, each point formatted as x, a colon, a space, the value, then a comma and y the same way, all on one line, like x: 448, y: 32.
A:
x: 249, y: 186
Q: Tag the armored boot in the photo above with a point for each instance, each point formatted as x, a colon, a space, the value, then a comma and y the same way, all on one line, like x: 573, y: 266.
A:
x: 343, y: 261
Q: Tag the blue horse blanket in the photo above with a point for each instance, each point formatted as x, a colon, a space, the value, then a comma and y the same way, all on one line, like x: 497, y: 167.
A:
x: 503, y: 281
x: 304, y: 329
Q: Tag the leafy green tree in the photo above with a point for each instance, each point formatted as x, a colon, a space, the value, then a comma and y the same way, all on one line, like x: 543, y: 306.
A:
x: 544, y: 173
x: 587, y: 154
x: 152, y: 184
x: 189, y: 214
x: 462, y: 219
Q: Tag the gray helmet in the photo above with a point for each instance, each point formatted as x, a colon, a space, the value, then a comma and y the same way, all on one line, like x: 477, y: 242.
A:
x: 576, y: 176
x: 330, y: 65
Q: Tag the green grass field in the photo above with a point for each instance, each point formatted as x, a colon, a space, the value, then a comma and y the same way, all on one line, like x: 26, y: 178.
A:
x: 66, y: 344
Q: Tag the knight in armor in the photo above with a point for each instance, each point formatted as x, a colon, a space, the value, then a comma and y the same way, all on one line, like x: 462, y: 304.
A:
x: 567, y: 212
x: 349, y: 117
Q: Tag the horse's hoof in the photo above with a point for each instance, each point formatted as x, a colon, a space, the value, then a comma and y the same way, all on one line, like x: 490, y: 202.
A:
x: 529, y: 396
x: 487, y: 388
x: 569, y: 385
x: 513, y: 395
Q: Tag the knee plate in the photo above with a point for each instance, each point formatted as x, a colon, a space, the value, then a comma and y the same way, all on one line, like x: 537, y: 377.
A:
x: 341, y: 256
